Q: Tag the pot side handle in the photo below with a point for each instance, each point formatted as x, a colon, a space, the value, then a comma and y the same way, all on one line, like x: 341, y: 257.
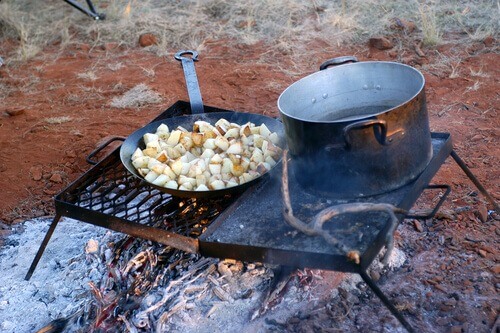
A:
x: 337, y: 61
x: 381, y: 137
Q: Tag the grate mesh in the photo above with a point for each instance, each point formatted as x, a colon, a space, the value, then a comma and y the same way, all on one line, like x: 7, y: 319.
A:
x: 108, y: 188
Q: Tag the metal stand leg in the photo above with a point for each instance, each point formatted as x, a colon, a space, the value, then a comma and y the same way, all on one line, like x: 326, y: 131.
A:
x: 476, y: 182
x: 90, y: 12
x: 42, y: 247
x: 386, y: 301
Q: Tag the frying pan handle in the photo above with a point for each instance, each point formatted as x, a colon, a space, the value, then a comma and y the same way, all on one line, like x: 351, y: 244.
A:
x: 96, y: 151
x: 191, y: 79
x: 381, y: 124
x: 337, y: 61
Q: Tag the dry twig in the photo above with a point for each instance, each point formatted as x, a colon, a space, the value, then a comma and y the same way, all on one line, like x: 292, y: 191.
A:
x: 315, y: 227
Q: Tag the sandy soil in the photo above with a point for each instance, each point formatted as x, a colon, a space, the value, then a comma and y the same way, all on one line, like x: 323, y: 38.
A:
x: 55, y: 109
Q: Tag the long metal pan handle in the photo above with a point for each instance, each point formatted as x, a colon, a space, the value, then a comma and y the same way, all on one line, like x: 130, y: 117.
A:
x: 193, y: 87
x: 337, y: 61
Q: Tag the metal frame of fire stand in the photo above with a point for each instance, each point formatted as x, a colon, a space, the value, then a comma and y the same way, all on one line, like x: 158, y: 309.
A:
x: 89, y: 12
x: 218, y: 240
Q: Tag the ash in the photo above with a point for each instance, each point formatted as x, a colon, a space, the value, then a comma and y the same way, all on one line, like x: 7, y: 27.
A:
x: 92, y: 279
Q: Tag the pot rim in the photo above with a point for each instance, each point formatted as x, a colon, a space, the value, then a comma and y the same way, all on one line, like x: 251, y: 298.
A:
x: 354, y: 118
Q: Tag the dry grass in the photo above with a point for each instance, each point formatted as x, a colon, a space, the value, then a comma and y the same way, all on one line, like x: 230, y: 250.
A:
x: 285, y: 24
x: 140, y: 95
x: 88, y: 75
x: 57, y: 120
x: 431, y: 34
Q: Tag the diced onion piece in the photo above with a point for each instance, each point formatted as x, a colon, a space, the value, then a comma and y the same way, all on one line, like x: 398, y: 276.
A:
x: 162, y: 156
x: 245, y: 130
x: 149, y: 137
x: 202, y: 187
x: 137, y: 153
x: 264, y: 131
x: 158, y: 168
x: 274, y: 138
x: 151, y: 176
x: 141, y: 162
x: 269, y: 160
x: 215, y: 168
x: 237, y: 170
x: 152, y: 162
x: 217, y: 185
x: 208, y: 153
x: 161, y: 180
x: 257, y: 156
x: 216, y: 159
x: 171, y: 184
x: 223, y: 123
x: 183, y: 180
x: 186, y: 141
x: 150, y: 151
x: 235, y: 148
x: 258, y: 140
x: 181, y: 149
x: 209, y: 144
x: 173, y: 153
x: 222, y: 143
x: 227, y: 165
x: 232, y: 133
x: 174, y: 138
x: 177, y: 167
x: 198, y: 139
x: 231, y: 183
x: 263, y: 167
x: 163, y: 128
x: 168, y: 171
x: 201, y: 180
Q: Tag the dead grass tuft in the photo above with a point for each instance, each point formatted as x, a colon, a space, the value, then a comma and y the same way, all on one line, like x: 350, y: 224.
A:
x: 136, y: 97
x: 57, y: 120
x: 430, y: 30
x: 89, y: 76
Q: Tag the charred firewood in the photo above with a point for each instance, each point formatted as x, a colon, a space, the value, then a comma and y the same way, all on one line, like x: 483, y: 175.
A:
x: 59, y: 325
x: 276, y: 290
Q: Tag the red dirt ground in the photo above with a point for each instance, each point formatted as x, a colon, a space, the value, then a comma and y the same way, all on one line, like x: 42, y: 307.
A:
x: 40, y: 156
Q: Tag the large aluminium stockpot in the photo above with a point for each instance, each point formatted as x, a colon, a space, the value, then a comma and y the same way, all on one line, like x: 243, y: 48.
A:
x: 357, y: 129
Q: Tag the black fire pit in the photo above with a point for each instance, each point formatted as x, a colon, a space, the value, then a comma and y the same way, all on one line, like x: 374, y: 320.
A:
x: 247, y: 226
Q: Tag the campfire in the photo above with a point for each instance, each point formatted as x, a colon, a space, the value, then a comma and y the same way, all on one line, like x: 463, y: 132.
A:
x: 144, y: 283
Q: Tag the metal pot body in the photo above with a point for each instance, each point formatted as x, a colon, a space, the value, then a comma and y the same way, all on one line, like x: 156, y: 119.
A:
x: 357, y: 129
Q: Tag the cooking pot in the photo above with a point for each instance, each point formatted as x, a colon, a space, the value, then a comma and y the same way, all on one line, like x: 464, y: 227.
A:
x: 357, y: 129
